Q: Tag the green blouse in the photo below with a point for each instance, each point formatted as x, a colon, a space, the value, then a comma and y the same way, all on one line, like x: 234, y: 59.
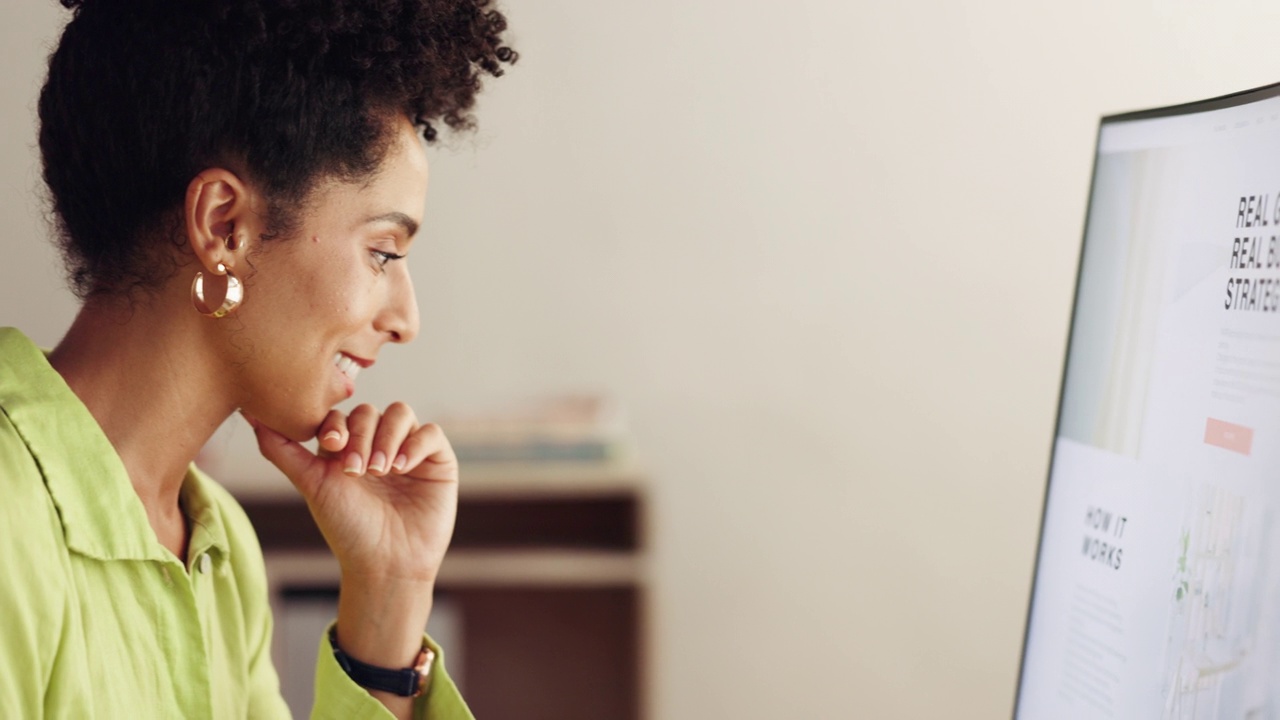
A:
x: 99, y: 620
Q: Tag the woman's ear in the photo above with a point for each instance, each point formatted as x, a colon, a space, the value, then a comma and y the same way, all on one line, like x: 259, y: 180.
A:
x: 220, y: 218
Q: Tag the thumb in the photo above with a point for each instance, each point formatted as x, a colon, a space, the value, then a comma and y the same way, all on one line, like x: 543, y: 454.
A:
x: 295, y: 461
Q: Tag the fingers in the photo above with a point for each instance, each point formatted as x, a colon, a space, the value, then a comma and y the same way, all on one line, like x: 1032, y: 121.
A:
x: 333, y: 431
x: 428, y: 444
x: 373, y: 440
x: 397, y: 423
x: 361, y: 425
x: 365, y: 441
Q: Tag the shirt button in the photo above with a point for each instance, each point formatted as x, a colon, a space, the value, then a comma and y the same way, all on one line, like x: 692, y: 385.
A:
x: 205, y: 562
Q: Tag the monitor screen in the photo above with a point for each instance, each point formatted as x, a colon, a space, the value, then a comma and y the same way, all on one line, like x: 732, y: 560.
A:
x: 1157, y: 583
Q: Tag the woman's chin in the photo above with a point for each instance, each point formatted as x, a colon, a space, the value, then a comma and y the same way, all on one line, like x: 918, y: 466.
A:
x: 297, y: 429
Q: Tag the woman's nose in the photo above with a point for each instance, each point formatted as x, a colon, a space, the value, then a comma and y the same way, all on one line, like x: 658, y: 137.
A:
x: 399, y: 318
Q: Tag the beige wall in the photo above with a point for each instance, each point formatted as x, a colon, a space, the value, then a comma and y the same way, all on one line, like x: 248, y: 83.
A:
x: 32, y: 292
x: 824, y: 251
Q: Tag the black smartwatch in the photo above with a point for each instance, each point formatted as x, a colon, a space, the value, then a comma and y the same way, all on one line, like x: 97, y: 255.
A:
x: 406, y: 682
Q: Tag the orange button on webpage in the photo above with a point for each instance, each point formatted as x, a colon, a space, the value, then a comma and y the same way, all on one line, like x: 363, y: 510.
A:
x: 1228, y: 436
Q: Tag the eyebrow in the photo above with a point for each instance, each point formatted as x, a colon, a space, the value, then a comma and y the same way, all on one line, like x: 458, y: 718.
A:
x: 409, y: 224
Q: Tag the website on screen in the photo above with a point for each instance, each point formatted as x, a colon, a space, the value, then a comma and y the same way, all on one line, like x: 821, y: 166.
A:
x: 1158, y: 583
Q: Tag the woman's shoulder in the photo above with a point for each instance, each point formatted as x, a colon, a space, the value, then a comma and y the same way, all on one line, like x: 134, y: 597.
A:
x: 28, y: 510
x: 35, y: 550
x: 15, y: 457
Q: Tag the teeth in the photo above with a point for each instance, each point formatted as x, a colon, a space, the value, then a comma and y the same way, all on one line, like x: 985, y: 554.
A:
x: 346, y: 365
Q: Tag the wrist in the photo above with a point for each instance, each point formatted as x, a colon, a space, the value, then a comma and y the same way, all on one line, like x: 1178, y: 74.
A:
x: 382, y: 622
x: 400, y: 682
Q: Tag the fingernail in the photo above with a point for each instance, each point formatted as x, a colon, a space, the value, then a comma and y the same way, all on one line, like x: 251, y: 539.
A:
x: 333, y: 435
x: 355, y: 464
x: 401, y: 461
x: 378, y: 463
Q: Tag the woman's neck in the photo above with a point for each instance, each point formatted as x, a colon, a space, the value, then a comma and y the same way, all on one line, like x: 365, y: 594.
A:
x: 147, y: 375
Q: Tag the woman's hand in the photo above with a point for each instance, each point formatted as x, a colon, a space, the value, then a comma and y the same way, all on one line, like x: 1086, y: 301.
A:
x: 383, y: 490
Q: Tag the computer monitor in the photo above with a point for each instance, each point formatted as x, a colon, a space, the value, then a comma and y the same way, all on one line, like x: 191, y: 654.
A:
x: 1157, y: 581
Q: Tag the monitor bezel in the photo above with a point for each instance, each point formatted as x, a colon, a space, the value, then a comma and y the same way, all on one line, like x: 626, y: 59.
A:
x: 1222, y: 102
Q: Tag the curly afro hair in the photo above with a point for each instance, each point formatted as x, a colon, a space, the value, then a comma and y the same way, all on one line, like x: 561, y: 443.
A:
x: 144, y: 94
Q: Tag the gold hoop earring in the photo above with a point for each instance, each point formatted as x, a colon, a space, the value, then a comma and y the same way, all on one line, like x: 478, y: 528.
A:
x: 232, y: 296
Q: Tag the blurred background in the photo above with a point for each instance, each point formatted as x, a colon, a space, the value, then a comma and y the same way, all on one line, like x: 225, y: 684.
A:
x: 815, y: 261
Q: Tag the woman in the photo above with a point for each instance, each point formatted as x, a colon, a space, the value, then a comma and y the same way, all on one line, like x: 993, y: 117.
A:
x: 235, y: 184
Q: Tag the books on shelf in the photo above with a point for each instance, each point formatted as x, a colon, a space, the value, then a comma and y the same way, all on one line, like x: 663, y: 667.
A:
x: 557, y: 429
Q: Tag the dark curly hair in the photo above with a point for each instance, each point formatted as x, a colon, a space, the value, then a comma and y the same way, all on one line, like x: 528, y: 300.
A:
x: 144, y: 94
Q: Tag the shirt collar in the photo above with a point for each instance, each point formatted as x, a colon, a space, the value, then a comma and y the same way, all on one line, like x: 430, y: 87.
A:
x: 101, y: 515
x: 198, y: 503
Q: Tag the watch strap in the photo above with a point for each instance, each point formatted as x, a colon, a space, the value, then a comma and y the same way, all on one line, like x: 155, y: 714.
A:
x: 406, y: 682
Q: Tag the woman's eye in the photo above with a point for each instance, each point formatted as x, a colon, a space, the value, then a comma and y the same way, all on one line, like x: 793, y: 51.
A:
x: 381, y: 258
